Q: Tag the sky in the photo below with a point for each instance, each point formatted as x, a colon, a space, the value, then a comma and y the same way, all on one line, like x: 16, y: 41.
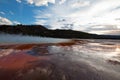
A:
x: 92, y: 16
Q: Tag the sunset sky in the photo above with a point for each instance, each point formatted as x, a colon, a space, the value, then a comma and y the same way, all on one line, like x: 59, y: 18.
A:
x: 93, y: 16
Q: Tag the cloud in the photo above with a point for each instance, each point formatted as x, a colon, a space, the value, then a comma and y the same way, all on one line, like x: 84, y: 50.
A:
x: 2, y: 13
x: 61, y: 11
x: 62, y: 1
x: 5, y: 21
x: 40, y: 22
x: 45, y: 2
x: 19, y: 1
x: 79, y: 4
x: 16, y: 22
x: 40, y: 2
x: 104, y: 29
x: 113, y: 32
x: 118, y: 26
x: 11, y: 12
x: 107, y: 32
x: 83, y: 15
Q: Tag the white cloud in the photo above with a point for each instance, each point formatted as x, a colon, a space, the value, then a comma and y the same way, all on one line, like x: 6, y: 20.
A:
x: 79, y: 4
x: 83, y: 14
x: 118, y: 26
x: 40, y: 2
x: 45, y: 2
x: 40, y: 22
x: 16, y: 22
x: 2, y: 13
x: 104, y: 29
x: 11, y: 12
x: 62, y: 1
x: 62, y: 11
x: 5, y: 21
x: 19, y: 1
x: 107, y: 32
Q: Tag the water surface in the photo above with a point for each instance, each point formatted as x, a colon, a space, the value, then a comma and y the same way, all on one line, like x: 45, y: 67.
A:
x: 13, y: 39
x: 75, y: 60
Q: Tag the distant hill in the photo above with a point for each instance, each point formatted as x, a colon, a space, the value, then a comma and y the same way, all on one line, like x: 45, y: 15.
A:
x: 39, y: 30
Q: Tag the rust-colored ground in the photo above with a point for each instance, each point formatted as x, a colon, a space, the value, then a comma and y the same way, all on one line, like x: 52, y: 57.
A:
x: 37, y: 62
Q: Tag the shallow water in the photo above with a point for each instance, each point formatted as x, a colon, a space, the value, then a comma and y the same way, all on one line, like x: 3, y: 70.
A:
x: 13, y: 39
x: 75, y: 60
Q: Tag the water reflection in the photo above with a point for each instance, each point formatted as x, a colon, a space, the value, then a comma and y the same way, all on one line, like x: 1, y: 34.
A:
x: 75, y: 60
x: 20, y: 39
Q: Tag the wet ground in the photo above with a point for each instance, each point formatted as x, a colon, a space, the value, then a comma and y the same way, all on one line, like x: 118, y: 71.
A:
x: 75, y: 60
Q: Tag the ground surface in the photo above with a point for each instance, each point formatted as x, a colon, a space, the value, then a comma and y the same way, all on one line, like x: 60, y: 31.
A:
x: 75, y: 60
